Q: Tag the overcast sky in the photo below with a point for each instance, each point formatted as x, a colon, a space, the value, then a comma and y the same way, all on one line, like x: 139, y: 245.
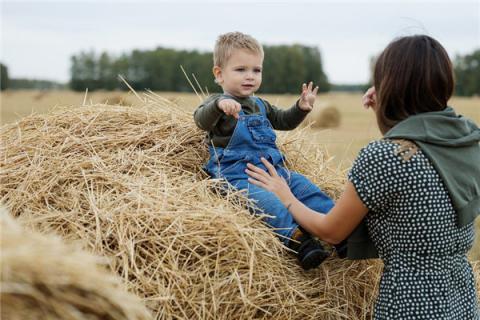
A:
x: 38, y: 37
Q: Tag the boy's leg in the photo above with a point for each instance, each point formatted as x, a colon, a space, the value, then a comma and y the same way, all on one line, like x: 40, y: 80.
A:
x: 268, y: 203
x: 310, y: 194
x: 310, y: 252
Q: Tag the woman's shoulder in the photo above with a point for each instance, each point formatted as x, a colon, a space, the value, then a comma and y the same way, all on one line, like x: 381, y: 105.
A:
x: 389, y: 149
x: 378, y: 150
x: 377, y: 174
x: 389, y: 156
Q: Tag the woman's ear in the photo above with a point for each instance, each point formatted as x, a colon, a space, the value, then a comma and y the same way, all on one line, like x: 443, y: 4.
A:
x: 217, y: 73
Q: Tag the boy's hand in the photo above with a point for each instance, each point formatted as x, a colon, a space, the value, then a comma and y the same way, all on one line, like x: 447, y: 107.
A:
x: 369, y: 99
x: 307, y: 99
x: 230, y: 107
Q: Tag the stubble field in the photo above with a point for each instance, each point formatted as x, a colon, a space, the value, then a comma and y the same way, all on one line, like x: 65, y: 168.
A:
x: 356, y: 128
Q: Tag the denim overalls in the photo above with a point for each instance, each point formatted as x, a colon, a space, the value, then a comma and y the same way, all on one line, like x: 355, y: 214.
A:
x: 253, y: 138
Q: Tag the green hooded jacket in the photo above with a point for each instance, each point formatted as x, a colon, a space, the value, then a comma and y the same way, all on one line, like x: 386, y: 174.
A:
x: 451, y: 143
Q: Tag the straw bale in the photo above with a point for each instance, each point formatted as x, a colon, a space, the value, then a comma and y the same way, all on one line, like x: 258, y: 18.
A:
x: 115, y: 100
x: 126, y: 183
x: 43, y: 278
x: 325, y: 115
x: 40, y: 95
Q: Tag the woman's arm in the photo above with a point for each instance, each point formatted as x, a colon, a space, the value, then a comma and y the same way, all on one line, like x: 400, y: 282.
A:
x: 333, y: 227
x: 338, y: 224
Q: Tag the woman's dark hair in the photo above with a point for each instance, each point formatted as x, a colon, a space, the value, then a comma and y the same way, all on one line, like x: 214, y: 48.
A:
x: 412, y: 75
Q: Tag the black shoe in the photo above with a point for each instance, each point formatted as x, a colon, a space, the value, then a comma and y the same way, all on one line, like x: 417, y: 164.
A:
x: 310, y: 252
x: 341, y: 249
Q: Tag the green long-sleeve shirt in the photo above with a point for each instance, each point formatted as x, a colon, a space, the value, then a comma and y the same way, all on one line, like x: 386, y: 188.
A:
x: 220, y: 126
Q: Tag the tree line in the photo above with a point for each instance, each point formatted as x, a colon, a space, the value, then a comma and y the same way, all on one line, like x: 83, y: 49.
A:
x: 467, y: 74
x: 4, y: 80
x: 285, y: 67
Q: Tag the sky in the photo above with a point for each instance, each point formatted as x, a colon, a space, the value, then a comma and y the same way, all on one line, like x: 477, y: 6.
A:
x: 39, y: 37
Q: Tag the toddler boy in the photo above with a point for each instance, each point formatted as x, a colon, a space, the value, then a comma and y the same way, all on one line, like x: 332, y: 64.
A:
x: 240, y: 129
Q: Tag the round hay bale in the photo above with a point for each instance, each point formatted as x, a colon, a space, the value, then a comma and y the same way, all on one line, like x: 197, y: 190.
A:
x: 43, y: 278
x: 323, y: 116
x: 127, y: 183
x: 116, y: 100
x: 40, y: 95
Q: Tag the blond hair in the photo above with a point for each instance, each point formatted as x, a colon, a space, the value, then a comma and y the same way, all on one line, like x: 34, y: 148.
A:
x: 228, y: 42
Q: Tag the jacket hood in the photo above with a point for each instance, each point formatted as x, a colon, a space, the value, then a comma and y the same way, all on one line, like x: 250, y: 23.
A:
x: 442, y: 128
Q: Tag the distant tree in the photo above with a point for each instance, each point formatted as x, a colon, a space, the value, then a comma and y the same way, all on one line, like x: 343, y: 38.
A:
x: 314, y: 67
x: 4, y: 81
x: 107, y: 78
x: 467, y: 74
x: 84, y: 72
x: 276, y: 68
x: 22, y: 83
x: 466, y: 69
x: 294, y: 69
x: 360, y: 87
x: 285, y: 69
x: 160, y: 67
x: 200, y: 65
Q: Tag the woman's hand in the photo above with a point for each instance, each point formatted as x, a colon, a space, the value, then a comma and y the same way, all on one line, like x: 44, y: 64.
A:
x: 270, y: 181
x: 369, y: 99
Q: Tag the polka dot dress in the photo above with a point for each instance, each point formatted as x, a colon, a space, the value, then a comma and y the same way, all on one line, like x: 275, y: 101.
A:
x: 413, y: 226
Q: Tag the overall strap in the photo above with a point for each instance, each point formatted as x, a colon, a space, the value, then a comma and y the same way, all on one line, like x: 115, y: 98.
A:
x: 261, y: 104
x: 242, y: 113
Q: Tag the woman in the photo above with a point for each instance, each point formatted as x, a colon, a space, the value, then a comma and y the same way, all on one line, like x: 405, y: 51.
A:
x: 417, y: 189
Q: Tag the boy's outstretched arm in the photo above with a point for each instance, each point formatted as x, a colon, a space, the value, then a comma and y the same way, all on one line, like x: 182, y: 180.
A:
x: 207, y: 114
x: 290, y: 118
x: 307, y: 98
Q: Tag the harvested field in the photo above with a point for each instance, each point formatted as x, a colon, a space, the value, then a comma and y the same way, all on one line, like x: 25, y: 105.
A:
x: 126, y: 183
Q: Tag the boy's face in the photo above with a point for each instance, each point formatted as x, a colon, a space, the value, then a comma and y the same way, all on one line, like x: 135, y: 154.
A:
x: 242, y: 74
